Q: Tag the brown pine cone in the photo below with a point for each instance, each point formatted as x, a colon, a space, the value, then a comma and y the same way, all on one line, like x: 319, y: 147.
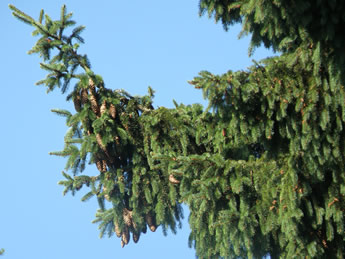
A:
x: 148, y: 218
x: 103, y: 107
x: 117, y: 230
x: 136, y: 237
x: 104, y: 166
x: 84, y: 96
x: 127, y: 217
x: 144, y: 229
x: 100, y: 143
x: 101, y: 166
x: 92, y: 85
x: 150, y: 222
x: 153, y: 228
x: 77, y: 102
x: 173, y: 180
x: 112, y: 111
x: 94, y: 104
x: 125, y: 235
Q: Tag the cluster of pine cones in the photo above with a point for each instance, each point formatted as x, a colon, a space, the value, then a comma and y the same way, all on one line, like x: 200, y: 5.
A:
x: 130, y: 226
x: 89, y: 96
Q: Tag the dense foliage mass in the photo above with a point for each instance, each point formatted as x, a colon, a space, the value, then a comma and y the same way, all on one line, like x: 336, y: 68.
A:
x: 261, y: 168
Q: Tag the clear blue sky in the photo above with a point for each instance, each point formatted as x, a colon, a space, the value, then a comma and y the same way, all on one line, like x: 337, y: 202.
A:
x: 132, y: 44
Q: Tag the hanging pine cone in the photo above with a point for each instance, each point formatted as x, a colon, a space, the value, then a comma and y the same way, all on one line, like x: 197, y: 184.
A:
x: 92, y: 85
x: 153, y: 228
x: 134, y: 225
x: 77, y: 102
x: 173, y: 180
x: 117, y: 230
x: 94, y: 104
x: 136, y: 237
x: 127, y: 217
x: 150, y: 222
x: 144, y: 229
x: 101, y: 166
x: 104, y: 166
x: 112, y: 111
x: 84, y: 96
x: 103, y: 107
x: 93, y: 98
x: 100, y: 143
x: 148, y: 218
x: 122, y: 243
x: 125, y: 235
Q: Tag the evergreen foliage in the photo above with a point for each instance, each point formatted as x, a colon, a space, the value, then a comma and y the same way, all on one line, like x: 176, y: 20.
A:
x: 261, y: 168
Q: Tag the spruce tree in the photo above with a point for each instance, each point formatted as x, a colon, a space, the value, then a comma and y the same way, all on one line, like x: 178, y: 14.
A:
x: 261, y: 168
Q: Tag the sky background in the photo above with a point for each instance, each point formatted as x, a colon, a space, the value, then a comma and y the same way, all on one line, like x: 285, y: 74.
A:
x: 131, y: 44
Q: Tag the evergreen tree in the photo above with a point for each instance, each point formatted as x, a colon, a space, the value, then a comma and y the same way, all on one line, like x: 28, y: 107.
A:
x: 261, y: 168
